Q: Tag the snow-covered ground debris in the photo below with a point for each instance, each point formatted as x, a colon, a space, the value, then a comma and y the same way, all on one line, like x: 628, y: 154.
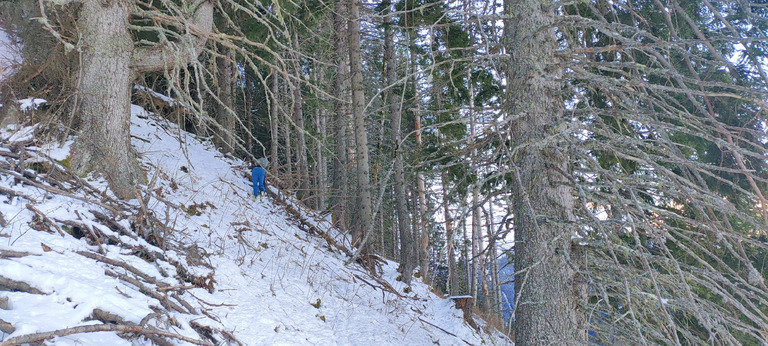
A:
x: 195, y: 261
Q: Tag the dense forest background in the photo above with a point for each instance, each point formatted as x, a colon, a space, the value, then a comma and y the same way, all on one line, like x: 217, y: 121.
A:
x: 613, y: 153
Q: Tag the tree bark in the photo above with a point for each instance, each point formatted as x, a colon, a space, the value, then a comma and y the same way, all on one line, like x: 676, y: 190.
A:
x: 364, y: 213
x: 110, y: 63
x: 273, y: 121
x: 394, y: 107
x: 339, y: 184
x: 225, y: 108
x: 453, y: 282
x: 546, y: 307
x: 104, y: 143
x: 297, y: 110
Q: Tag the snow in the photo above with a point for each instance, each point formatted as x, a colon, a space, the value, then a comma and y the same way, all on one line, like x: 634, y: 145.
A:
x: 30, y: 104
x: 10, y: 54
x: 274, y: 283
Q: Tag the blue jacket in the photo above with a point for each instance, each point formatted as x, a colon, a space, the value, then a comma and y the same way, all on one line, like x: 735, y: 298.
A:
x: 257, y: 174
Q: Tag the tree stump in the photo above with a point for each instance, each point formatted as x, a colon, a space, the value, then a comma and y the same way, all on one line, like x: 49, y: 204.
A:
x: 464, y: 303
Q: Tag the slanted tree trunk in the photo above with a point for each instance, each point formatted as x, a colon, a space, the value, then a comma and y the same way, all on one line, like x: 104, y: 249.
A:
x: 546, y: 309
x: 110, y: 63
x: 364, y: 213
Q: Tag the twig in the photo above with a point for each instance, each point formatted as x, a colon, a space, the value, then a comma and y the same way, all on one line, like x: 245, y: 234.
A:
x: 175, y: 287
x: 37, y: 337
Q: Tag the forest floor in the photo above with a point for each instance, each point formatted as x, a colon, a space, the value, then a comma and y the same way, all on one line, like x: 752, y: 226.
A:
x: 193, y: 261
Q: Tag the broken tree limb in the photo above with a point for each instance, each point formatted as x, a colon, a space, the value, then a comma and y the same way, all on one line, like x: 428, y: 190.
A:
x: 13, y: 285
x: 38, y: 337
x: 15, y: 254
x: 12, y: 193
x: 57, y: 191
x: 123, y: 265
x: 167, y: 303
x: 46, y: 219
x: 306, y: 225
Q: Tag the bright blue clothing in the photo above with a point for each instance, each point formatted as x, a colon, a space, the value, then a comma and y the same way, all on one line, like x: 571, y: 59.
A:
x: 257, y: 174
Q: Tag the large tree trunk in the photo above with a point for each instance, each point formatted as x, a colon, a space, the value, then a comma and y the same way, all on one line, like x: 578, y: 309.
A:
x: 109, y: 65
x: 547, y: 309
x: 403, y: 221
x: 364, y: 213
x: 103, y: 145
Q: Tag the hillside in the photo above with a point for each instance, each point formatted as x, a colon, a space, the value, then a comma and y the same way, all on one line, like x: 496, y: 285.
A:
x: 195, y: 261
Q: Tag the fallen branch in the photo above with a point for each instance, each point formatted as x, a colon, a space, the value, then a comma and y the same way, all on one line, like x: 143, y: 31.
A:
x: 38, y: 337
x: 15, y: 254
x: 445, y: 331
x: 167, y: 303
x: 13, y: 285
x: 112, y: 224
x: 57, y: 191
x: 385, y: 286
x: 123, y: 265
x: 310, y: 228
x: 13, y: 193
x: 45, y: 218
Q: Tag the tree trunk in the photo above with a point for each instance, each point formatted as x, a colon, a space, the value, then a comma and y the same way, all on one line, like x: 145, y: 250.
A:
x: 339, y: 185
x: 287, y: 149
x: 110, y: 63
x: 273, y: 121
x: 449, y: 240
x: 103, y: 145
x: 298, y: 118
x: 403, y: 222
x: 546, y: 309
x: 363, y: 227
x: 422, y: 202
x: 225, y: 108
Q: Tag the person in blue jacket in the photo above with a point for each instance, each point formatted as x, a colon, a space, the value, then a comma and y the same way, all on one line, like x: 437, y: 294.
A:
x: 257, y: 174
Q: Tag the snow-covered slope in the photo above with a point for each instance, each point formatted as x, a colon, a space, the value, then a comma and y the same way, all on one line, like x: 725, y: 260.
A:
x: 196, y: 261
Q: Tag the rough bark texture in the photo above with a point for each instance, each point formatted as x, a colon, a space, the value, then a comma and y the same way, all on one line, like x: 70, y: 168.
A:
x: 339, y: 184
x: 109, y: 65
x: 406, y: 240
x: 273, y: 123
x: 297, y: 110
x: 105, y: 87
x: 364, y: 212
x: 546, y: 307
x: 450, y: 235
x: 225, y: 108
